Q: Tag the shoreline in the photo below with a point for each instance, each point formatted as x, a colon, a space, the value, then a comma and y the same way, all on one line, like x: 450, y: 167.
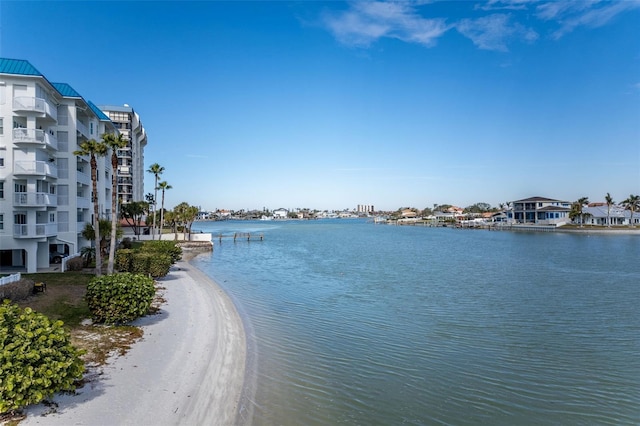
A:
x: 188, y: 368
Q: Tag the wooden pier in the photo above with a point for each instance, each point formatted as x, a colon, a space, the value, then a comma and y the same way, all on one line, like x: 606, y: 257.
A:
x: 241, y: 236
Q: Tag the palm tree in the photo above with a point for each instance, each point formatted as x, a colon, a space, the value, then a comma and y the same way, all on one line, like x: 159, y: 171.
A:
x: 155, y: 169
x: 93, y: 148
x: 163, y: 186
x: 185, y: 214
x: 632, y: 203
x: 114, y: 142
x: 584, y: 201
x: 610, y: 202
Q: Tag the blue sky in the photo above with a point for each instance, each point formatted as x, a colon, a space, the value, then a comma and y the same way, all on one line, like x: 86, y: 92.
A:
x: 332, y: 104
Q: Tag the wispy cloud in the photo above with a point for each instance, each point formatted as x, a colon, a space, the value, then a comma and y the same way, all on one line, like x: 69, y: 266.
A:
x: 363, y: 23
x: 366, y: 22
x: 589, y: 13
x: 494, y: 31
x: 504, y: 4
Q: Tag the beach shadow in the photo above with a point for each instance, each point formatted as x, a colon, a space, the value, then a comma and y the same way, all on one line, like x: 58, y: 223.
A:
x: 95, y: 384
x: 152, y: 318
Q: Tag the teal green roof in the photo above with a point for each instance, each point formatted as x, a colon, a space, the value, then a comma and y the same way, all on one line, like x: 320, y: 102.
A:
x: 101, y: 115
x: 18, y: 66
x: 66, y: 90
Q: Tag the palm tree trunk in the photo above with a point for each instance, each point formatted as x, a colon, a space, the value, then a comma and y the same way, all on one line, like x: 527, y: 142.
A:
x: 161, y: 216
x: 114, y: 211
x: 155, y: 208
x: 96, y: 227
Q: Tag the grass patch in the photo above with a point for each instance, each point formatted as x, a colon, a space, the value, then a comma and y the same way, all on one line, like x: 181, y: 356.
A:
x: 64, y: 299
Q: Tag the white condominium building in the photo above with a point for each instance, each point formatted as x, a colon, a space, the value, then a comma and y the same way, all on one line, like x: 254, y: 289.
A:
x: 45, y: 189
x: 131, y: 158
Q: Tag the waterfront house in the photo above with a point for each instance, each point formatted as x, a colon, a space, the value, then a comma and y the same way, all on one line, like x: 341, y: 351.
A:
x: 498, y: 217
x: 539, y: 211
x: 409, y: 214
x: 280, y: 213
x: 596, y: 214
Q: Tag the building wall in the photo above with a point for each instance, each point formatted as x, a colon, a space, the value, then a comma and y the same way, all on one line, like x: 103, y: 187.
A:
x: 131, y: 159
x: 45, y: 189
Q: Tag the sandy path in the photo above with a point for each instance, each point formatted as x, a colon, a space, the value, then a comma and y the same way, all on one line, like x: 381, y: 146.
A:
x: 188, y: 369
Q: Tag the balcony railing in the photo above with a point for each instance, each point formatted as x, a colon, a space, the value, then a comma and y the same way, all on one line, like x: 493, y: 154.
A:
x: 124, y: 153
x: 35, y: 136
x: 83, y: 203
x: 84, y: 178
x: 36, y: 230
x: 29, y: 103
x: 82, y: 129
x: 40, y: 168
x: 34, y: 199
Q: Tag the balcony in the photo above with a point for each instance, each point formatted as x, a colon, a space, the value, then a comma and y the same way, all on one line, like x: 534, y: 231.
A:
x: 83, y: 178
x: 33, y: 104
x: 35, y: 168
x: 34, y: 199
x: 124, y: 153
x: 83, y: 203
x: 34, y: 136
x: 82, y: 129
x: 37, y: 230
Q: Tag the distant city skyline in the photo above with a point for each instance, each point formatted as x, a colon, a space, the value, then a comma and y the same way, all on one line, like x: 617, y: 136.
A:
x: 327, y: 105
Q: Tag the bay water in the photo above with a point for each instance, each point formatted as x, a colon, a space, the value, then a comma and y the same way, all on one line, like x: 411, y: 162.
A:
x: 349, y: 322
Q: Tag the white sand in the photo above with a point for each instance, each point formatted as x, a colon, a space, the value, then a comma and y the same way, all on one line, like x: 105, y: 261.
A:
x: 188, y: 369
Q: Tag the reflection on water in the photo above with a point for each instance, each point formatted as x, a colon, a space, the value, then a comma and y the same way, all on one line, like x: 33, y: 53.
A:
x: 367, y: 324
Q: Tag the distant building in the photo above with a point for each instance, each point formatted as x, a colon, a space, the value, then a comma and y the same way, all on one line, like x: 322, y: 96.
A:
x: 130, y: 158
x: 45, y: 189
x: 365, y: 208
x: 280, y: 214
x: 539, y: 210
x: 596, y: 214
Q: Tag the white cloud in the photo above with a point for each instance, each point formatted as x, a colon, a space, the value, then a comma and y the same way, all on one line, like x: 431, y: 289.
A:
x: 367, y: 22
x: 492, y: 32
x: 505, y: 4
x: 589, y: 13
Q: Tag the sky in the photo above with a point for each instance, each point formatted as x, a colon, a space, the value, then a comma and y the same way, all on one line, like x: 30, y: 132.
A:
x: 327, y: 105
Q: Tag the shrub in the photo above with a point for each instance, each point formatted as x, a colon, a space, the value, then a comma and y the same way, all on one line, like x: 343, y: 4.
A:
x: 75, y: 264
x: 120, y: 297
x: 17, y: 290
x: 163, y: 246
x: 36, y: 358
x: 140, y: 263
x: 159, y: 265
x: 126, y: 243
x: 123, y: 260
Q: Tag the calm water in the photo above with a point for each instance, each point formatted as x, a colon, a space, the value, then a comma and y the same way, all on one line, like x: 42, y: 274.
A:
x: 362, y: 324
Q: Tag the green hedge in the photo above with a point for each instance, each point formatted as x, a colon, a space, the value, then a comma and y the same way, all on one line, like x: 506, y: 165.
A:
x: 36, y: 358
x: 153, y: 258
x: 119, y: 298
x: 166, y: 247
x: 123, y: 260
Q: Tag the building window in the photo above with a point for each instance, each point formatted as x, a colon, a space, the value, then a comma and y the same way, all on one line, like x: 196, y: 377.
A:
x: 1, y: 190
x: 91, y: 125
x: 1, y: 160
x: 1, y: 126
x: 1, y: 221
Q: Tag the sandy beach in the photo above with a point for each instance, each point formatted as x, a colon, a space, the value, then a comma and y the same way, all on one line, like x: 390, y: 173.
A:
x: 188, y: 368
